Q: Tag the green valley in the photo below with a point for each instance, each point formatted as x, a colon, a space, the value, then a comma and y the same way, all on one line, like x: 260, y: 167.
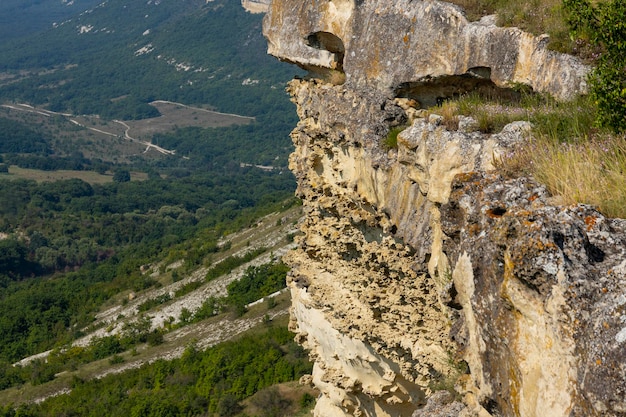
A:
x: 143, y: 173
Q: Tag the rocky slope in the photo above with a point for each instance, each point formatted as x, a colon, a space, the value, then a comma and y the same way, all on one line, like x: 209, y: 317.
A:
x: 126, y: 310
x: 421, y: 270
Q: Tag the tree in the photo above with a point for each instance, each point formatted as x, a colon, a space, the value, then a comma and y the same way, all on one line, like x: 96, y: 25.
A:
x: 271, y: 403
x: 228, y: 406
x: 121, y: 175
x: 604, y: 24
x: 12, y: 257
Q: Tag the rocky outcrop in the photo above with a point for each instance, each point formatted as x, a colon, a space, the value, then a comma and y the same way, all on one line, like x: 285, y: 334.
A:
x: 541, y: 296
x: 416, y: 47
x: 421, y: 269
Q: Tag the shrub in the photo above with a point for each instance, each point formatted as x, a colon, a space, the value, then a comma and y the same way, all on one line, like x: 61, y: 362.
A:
x: 271, y: 403
x: 209, y: 308
x: 106, y: 346
x: 155, y: 337
x: 604, y: 24
x: 121, y: 175
x: 153, y: 302
x: 116, y: 359
x: 307, y: 400
x: 256, y: 283
x: 227, y: 265
x: 40, y: 372
x: 228, y: 406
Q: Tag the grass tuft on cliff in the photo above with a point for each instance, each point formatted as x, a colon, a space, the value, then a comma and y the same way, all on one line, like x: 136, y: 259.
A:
x: 576, y: 160
x: 578, y: 171
x: 391, y: 140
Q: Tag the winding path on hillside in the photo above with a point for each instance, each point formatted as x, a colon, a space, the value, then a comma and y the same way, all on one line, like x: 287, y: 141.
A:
x: 48, y: 113
x: 148, y: 144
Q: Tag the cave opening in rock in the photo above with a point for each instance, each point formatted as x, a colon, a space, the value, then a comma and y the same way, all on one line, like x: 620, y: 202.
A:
x: 433, y: 91
x: 326, y: 41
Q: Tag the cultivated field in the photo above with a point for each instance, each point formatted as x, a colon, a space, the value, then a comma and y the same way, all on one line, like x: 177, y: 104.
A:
x: 91, y: 177
x: 176, y: 115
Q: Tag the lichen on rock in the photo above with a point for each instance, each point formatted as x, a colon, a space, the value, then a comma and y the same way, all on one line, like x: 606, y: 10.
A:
x: 420, y: 269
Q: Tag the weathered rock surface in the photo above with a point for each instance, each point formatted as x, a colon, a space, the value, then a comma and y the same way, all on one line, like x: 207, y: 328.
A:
x: 420, y: 269
x: 418, y: 47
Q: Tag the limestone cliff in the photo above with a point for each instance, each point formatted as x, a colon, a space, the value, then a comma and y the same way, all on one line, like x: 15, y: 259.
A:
x: 420, y: 269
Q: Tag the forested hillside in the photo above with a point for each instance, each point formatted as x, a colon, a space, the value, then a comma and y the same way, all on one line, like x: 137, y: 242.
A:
x: 74, y: 80
x: 200, y: 382
x: 114, y: 59
x: 187, y: 50
x: 20, y: 18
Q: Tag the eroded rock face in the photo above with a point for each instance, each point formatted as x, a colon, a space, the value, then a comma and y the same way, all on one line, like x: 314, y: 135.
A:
x: 540, y: 294
x: 420, y: 269
x: 426, y: 49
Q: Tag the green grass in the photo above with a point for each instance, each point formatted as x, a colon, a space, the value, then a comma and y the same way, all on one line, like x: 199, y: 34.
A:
x: 391, y: 140
x: 490, y: 116
x: 562, y: 121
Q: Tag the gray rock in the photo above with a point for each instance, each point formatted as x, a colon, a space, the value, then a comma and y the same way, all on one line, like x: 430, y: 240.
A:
x: 421, y: 49
x: 419, y: 266
x: 440, y: 404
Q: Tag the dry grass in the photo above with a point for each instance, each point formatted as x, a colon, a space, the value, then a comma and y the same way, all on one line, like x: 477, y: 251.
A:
x: 449, y: 110
x: 91, y: 177
x: 567, y: 153
x: 491, y: 113
x: 490, y: 116
x: 176, y: 115
x: 573, y: 158
x: 561, y: 121
x: 589, y: 172
x: 534, y: 16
